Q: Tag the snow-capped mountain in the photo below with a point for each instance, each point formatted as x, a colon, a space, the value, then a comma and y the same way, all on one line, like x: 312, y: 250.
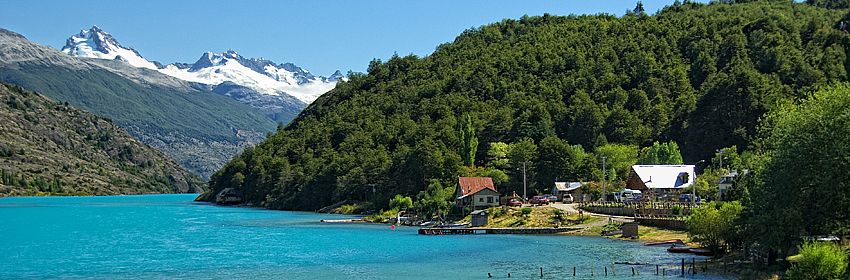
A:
x: 94, y: 43
x: 213, y: 69
x: 261, y: 75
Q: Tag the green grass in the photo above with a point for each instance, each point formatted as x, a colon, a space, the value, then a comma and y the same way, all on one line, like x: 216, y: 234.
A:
x: 506, y: 216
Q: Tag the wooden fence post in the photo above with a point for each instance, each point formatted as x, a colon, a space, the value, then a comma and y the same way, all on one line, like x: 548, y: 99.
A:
x: 694, y: 266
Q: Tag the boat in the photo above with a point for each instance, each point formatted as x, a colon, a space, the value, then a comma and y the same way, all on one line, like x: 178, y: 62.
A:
x: 702, y: 252
x: 679, y: 249
x: 428, y: 224
x: 463, y: 225
x: 668, y: 242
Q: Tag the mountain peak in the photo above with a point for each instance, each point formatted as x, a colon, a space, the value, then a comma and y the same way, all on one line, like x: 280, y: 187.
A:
x: 336, y: 76
x: 261, y: 75
x: 96, y: 43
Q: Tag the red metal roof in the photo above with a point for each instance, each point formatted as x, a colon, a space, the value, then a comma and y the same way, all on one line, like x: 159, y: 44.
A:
x: 472, y: 185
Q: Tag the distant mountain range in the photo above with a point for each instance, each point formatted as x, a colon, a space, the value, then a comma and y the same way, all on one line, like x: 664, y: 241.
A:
x: 261, y: 83
x: 200, y: 114
x: 194, y: 126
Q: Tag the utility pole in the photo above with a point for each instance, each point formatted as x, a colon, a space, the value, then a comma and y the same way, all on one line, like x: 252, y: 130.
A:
x: 721, y: 158
x: 694, y: 185
x: 524, y: 187
x: 604, y: 194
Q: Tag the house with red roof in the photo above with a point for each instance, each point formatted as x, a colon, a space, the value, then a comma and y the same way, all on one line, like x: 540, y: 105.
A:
x: 477, y: 192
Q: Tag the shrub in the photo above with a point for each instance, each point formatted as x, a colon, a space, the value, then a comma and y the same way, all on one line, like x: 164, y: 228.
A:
x: 819, y: 261
x: 525, y: 211
x: 497, y: 211
x: 676, y: 210
x: 713, y: 224
x: 348, y: 209
x: 612, y: 227
x: 400, y: 202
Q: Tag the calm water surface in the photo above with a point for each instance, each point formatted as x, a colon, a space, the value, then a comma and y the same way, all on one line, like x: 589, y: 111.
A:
x: 170, y: 236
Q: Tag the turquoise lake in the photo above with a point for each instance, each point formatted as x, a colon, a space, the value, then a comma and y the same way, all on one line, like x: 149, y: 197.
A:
x: 170, y: 236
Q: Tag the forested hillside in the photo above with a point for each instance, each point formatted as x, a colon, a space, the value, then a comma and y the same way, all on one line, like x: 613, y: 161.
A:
x: 554, y: 92
x: 49, y: 147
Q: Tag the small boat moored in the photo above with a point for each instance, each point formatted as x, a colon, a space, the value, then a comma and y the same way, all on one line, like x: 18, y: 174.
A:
x: 702, y: 252
x: 668, y: 242
x: 679, y: 249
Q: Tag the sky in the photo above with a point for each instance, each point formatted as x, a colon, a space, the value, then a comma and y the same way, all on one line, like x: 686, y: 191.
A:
x: 320, y: 36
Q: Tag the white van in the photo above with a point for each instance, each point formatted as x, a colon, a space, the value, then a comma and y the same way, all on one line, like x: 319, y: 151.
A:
x: 630, y: 195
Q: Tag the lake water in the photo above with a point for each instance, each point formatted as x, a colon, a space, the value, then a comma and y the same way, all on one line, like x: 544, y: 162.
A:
x: 170, y: 236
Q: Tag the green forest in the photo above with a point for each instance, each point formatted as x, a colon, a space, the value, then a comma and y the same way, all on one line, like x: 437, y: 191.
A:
x: 554, y: 94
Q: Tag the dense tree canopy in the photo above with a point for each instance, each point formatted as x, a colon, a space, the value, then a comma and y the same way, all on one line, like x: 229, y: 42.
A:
x: 661, y: 153
x: 701, y: 75
x: 806, y: 186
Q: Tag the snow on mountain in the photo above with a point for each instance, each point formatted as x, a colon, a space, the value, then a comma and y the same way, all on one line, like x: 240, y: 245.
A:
x: 95, y: 43
x: 263, y: 76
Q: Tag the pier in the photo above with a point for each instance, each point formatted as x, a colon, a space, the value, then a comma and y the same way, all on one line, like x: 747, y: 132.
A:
x: 454, y: 231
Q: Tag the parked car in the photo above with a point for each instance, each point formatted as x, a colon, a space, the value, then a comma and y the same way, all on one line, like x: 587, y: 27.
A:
x: 515, y: 202
x: 539, y: 200
x: 686, y: 197
x: 568, y: 198
x: 551, y: 198
x: 630, y: 195
x: 615, y: 197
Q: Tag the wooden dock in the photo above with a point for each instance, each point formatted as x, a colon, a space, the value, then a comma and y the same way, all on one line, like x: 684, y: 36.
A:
x: 454, y: 231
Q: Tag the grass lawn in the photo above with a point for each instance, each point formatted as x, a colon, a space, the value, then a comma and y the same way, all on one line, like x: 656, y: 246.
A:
x: 538, y: 217
x: 654, y: 234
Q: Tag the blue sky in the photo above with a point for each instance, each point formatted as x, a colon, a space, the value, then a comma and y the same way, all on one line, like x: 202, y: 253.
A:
x: 320, y: 36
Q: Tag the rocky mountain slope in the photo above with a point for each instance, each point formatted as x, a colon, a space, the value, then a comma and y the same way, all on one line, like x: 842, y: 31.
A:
x: 51, y: 147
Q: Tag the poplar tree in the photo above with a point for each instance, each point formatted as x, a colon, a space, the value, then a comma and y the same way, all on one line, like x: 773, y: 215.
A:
x: 468, y: 141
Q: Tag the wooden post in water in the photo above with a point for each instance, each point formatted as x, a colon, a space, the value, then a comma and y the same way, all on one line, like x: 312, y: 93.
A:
x: 683, y: 267
x: 606, y: 271
x: 656, y: 269
x: 574, y: 271
x: 705, y: 266
x: 664, y: 272
x: 541, y: 272
x: 694, y: 266
x: 633, y: 271
x: 489, y: 275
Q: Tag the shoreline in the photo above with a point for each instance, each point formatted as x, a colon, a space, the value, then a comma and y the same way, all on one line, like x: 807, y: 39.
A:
x: 92, y: 195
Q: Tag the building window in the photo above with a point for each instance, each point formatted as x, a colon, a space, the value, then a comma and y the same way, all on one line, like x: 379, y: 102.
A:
x: 480, y: 199
x: 489, y: 199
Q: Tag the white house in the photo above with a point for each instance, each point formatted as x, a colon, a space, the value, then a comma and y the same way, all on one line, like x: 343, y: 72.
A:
x: 661, y: 178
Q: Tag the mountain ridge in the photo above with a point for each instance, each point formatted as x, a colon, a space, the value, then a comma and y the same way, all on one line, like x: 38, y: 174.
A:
x: 261, y: 75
